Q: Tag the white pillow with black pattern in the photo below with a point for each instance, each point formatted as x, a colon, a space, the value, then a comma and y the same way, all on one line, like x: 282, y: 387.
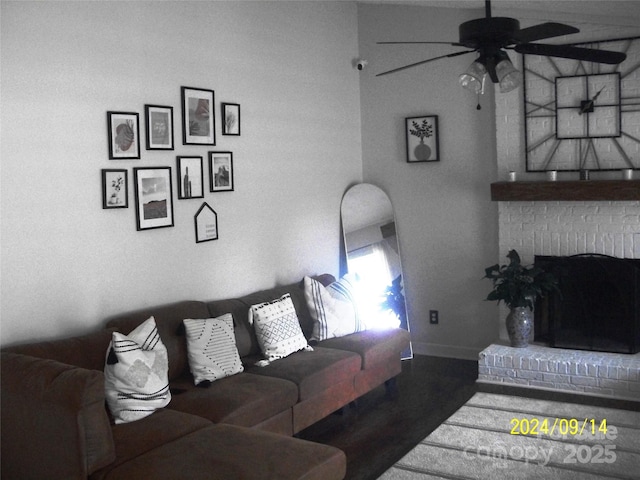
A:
x: 211, y: 348
x: 277, y: 328
x: 136, y: 373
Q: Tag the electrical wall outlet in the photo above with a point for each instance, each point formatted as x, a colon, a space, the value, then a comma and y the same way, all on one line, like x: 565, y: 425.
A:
x: 433, y: 317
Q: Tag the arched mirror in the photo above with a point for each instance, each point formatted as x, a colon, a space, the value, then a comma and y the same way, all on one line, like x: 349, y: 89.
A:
x: 373, y: 257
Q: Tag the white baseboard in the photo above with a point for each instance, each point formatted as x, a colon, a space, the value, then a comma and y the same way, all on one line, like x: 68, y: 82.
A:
x: 450, y: 351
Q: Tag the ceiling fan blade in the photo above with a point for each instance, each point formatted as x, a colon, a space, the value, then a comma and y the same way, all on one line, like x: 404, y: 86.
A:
x: 542, y: 31
x: 576, y: 53
x: 455, y: 54
x: 420, y: 43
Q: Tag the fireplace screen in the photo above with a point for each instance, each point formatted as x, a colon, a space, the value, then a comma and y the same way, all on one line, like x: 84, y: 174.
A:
x: 597, y: 308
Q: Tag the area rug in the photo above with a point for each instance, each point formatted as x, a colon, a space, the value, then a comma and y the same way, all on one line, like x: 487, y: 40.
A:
x: 507, y: 437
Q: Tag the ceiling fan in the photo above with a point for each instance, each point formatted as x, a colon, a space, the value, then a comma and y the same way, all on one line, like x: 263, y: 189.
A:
x: 491, y: 36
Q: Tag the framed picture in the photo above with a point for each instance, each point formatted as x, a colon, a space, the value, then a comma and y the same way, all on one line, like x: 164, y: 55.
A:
x: 198, y: 119
x: 154, y: 200
x: 206, y: 221
x: 221, y: 171
x: 159, y: 123
x: 115, y: 184
x: 231, y: 118
x: 124, y: 135
x: 422, y: 139
x: 190, y: 175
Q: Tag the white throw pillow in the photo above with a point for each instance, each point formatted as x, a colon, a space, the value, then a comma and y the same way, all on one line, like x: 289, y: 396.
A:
x: 332, y: 317
x: 332, y: 308
x: 277, y: 328
x: 137, y: 373
x: 211, y: 348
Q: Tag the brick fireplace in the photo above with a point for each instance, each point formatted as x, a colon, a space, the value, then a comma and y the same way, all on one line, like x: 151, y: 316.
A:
x: 563, y: 228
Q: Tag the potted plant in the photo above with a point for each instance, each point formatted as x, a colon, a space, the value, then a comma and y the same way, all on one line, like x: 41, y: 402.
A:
x: 518, y: 286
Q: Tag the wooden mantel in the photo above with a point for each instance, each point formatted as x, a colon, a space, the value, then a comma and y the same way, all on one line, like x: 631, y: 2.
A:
x: 577, y: 190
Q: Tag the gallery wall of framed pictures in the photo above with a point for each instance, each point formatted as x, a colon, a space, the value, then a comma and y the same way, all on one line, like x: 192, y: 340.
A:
x: 153, y: 175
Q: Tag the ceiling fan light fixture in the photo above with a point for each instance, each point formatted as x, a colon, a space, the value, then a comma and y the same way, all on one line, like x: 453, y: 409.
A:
x: 473, y: 78
x: 509, y: 77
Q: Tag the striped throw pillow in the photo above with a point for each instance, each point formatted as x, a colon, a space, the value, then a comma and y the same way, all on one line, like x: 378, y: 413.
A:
x: 333, y: 309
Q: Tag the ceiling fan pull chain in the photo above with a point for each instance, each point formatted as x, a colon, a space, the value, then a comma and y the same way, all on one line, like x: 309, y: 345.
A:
x: 478, y: 107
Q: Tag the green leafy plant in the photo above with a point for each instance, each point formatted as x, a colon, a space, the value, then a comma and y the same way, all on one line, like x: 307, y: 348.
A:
x: 518, y: 285
x: 394, y: 300
x: 421, y: 131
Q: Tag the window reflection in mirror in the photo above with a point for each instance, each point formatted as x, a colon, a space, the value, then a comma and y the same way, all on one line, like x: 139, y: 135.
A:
x: 373, y: 257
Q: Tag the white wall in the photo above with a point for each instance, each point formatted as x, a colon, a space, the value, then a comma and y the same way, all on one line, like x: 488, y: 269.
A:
x: 446, y: 222
x: 66, y: 263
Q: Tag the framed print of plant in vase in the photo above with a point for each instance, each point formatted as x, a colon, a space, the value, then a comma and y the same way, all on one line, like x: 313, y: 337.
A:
x: 124, y: 135
x: 190, y: 175
x: 198, y: 119
x: 154, y: 197
x: 159, y: 123
x: 221, y: 171
x: 231, y: 118
x: 115, y: 189
x: 422, y: 139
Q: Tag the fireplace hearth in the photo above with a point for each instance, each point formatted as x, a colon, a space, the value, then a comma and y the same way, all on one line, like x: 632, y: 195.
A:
x: 597, y: 308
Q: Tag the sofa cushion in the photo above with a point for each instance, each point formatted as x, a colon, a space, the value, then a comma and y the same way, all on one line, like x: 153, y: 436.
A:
x: 169, y: 322
x: 211, y: 345
x: 244, y: 399
x: 86, y: 351
x: 223, y: 452
x: 54, y: 422
x: 313, y: 372
x: 136, y: 381
x: 137, y: 438
x: 277, y: 328
x: 373, y: 346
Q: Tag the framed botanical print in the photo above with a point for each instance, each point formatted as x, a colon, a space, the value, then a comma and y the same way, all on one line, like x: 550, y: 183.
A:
x: 114, y: 188
x: 220, y: 171
x: 124, y: 135
x: 231, y: 119
x: 422, y: 139
x: 159, y: 127
x: 190, y: 175
x: 154, y: 199
x: 198, y: 119
x: 206, y: 220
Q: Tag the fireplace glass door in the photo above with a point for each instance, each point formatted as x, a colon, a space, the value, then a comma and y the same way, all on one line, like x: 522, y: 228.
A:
x: 597, y: 308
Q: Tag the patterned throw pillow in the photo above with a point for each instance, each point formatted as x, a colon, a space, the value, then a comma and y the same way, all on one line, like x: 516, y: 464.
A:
x: 136, y: 373
x: 277, y: 328
x: 332, y: 308
x: 211, y: 347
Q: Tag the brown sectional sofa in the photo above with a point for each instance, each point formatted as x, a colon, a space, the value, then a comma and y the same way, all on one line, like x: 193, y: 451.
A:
x: 55, y: 424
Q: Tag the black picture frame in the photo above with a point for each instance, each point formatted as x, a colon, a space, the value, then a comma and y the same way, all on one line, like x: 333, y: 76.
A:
x: 422, y: 140
x: 123, y: 135
x: 190, y: 177
x: 158, y: 127
x: 231, y: 119
x: 198, y: 117
x: 154, y: 197
x: 221, y: 172
x: 115, y: 188
x: 206, y: 223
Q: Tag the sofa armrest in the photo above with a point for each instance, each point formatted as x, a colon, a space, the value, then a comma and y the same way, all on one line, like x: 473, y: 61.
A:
x: 54, y: 421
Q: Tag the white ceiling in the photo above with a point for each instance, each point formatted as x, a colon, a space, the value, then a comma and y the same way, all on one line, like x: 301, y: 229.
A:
x: 622, y: 12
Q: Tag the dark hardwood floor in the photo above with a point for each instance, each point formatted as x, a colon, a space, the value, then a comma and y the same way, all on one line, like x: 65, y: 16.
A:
x: 381, y: 430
